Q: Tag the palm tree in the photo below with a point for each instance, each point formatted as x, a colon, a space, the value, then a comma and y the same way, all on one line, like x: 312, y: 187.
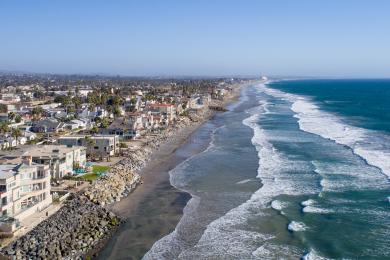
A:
x: 16, y: 133
x: 11, y: 116
x: 94, y: 129
x: 90, y: 143
x: 4, y: 128
x: 37, y: 112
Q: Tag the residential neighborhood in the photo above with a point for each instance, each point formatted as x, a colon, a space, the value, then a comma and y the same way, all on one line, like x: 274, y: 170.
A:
x: 61, y: 134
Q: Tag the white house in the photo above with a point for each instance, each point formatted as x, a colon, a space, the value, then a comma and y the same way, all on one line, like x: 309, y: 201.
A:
x: 24, y: 190
x: 98, y: 145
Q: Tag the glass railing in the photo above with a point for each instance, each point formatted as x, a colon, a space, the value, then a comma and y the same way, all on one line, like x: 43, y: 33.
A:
x: 40, y: 177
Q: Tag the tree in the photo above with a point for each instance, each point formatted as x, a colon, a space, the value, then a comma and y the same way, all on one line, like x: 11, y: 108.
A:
x: 16, y: 133
x: 59, y: 99
x: 18, y: 118
x: 37, y: 112
x: 109, y: 109
x: 116, y: 111
x: 71, y: 109
x: 93, y: 98
x: 3, y: 108
x: 133, y: 100
x: 77, y: 102
x: 76, y: 165
x: 4, y: 128
x: 90, y: 143
x: 103, y: 100
x: 97, y: 120
x: 11, y: 116
x: 94, y: 130
x: 105, y: 123
x: 115, y: 101
x: 121, y: 146
x: 77, y: 91
x: 39, y: 94
x: 91, y: 107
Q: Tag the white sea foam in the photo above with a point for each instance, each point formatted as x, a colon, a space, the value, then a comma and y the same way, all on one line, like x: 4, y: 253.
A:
x: 268, y: 251
x: 244, y: 181
x: 296, y: 226
x: 313, y: 255
x: 278, y: 205
x: 309, y: 206
x: 227, y: 235
x: 172, y: 244
x: 312, y: 120
x: 349, y: 176
x: 308, y: 202
x: 372, y: 146
x: 313, y: 209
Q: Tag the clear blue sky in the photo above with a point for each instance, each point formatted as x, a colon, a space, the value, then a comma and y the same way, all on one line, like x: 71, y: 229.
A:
x: 342, y: 38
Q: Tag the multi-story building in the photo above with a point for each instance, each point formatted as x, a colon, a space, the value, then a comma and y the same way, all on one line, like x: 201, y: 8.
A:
x: 61, y: 159
x: 96, y: 145
x: 166, y: 110
x: 24, y: 190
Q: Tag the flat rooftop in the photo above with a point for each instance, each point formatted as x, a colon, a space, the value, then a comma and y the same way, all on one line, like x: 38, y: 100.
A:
x: 92, y: 136
x: 38, y: 151
x: 7, y: 170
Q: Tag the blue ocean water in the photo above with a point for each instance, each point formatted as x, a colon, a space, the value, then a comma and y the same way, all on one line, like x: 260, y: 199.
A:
x: 296, y: 169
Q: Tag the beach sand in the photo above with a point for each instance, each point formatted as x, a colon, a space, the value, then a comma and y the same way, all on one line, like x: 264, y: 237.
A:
x: 154, y: 208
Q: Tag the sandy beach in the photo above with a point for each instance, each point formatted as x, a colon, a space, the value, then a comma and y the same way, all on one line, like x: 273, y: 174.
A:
x: 154, y: 208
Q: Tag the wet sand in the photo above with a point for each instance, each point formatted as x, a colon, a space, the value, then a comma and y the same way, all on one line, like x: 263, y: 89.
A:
x: 155, y: 207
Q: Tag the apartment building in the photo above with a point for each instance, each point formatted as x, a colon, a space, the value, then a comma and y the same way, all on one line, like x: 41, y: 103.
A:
x: 96, y: 145
x: 24, y: 190
x: 61, y: 159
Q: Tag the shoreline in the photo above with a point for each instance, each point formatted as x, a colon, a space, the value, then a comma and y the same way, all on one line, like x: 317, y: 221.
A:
x: 155, y: 174
x: 104, y: 208
x: 94, y: 213
x: 155, y: 182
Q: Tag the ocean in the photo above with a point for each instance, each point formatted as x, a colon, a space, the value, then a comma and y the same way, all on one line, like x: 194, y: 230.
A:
x: 296, y: 169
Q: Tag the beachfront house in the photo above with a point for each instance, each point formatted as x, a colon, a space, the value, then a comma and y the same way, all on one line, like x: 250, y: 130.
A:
x: 96, y: 145
x: 24, y: 190
x: 127, y: 128
x: 60, y: 158
x: 166, y: 110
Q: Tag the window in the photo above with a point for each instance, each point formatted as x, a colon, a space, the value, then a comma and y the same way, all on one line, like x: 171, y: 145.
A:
x: 96, y: 147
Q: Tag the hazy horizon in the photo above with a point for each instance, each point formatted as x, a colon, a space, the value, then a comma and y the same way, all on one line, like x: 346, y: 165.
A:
x: 335, y: 39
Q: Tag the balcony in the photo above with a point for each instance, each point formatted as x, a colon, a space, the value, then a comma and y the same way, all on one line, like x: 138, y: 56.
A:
x: 33, y: 181
x: 40, y: 177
